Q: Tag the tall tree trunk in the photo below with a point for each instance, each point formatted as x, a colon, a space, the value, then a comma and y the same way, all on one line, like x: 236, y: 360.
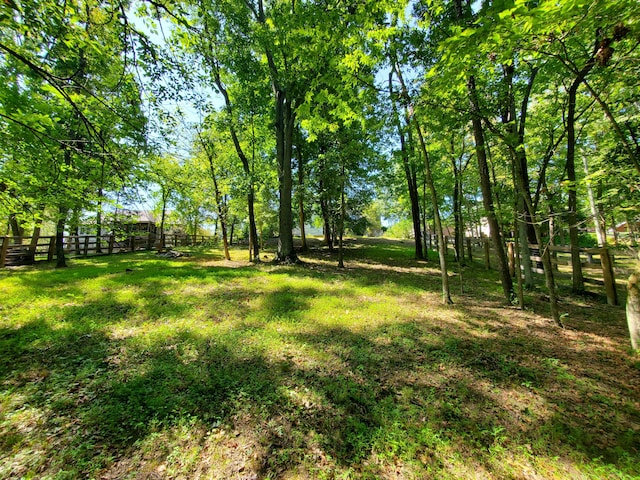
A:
x: 284, y: 136
x: 222, y: 215
x: 457, y: 219
x: 284, y: 122
x: 457, y: 205
x: 595, y: 213
x: 545, y: 253
x: 410, y: 175
x: 516, y: 126
x: 516, y: 235
x: 487, y: 195
x: 254, y: 245
x: 37, y: 227
x: 60, y: 224
x: 633, y: 310
x: 425, y: 232
x: 522, y: 219
x: 572, y: 203
x: 414, y: 198
x: 442, y: 247
x: 222, y: 208
x: 600, y: 211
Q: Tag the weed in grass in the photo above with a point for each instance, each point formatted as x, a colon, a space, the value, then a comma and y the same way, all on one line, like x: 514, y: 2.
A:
x: 187, y: 367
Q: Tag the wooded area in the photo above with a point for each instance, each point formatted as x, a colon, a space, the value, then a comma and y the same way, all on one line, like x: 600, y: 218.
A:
x: 449, y: 116
x: 16, y: 251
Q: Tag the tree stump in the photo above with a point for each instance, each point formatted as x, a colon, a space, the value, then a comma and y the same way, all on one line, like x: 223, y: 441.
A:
x: 633, y: 310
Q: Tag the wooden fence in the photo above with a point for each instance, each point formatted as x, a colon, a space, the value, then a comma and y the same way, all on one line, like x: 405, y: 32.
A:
x: 27, y: 250
x: 597, y: 263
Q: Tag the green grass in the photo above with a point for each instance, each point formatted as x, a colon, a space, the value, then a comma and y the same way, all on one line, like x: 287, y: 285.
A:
x: 132, y: 366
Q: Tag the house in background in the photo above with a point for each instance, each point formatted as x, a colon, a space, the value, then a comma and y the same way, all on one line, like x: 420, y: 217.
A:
x: 624, y: 227
x: 137, y: 221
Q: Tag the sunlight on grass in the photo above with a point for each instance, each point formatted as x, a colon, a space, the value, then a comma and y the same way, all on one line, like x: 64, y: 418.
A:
x: 132, y: 366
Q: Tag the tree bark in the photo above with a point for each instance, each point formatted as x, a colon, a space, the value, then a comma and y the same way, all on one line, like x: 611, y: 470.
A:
x: 572, y: 202
x: 222, y: 213
x: 458, y: 218
x: 99, y: 224
x: 414, y: 198
x: 633, y: 310
x: 254, y: 246
x: 487, y: 195
x: 595, y: 213
x: 16, y: 229
x: 60, y: 256
x: 516, y: 127
x: 99, y: 208
x: 284, y: 135
x: 442, y: 247
x: 425, y: 232
x: 410, y: 175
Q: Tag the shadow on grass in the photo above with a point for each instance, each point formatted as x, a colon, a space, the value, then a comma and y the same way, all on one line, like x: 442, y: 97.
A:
x: 419, y: 392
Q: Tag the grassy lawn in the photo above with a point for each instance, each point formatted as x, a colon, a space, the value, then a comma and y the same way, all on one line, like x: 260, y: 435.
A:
x: 133, y: 366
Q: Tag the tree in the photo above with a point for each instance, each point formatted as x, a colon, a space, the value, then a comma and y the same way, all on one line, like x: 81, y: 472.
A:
x: 411, y: 117
x: 73, y: 97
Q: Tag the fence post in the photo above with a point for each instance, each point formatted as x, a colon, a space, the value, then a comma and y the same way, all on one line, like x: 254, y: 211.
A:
x: 132, y: 243
x: 52, y: 249
x: 609, y: 278
x: 3, y: 250
x: 149, y: 242
x: 469, y: 254
x: 112, y: 241
x: 487, y: 260
x: 512, y: 259
x: 86, y: 246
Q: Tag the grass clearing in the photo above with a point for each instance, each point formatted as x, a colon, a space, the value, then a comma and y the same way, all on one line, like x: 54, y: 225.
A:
x: 133, y: 366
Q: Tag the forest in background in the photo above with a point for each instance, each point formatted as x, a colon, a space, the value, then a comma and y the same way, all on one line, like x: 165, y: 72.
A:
x: 264, y: 116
